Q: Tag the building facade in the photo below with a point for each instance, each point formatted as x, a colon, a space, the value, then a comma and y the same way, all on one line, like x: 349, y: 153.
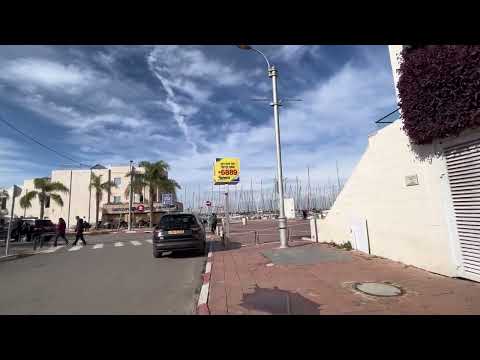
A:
x: 417, y: 204
x: 80, y: 201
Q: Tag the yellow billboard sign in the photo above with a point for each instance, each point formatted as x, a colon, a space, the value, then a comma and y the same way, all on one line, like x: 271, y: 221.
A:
x: 226, y: 171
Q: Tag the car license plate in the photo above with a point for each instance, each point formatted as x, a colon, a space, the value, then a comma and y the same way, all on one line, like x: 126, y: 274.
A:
x: 175, y: 232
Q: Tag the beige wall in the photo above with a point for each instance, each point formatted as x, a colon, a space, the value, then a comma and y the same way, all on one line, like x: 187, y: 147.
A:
x: 405, y: 223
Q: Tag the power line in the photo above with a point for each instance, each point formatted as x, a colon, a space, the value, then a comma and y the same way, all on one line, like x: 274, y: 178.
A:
x: 39, y: 143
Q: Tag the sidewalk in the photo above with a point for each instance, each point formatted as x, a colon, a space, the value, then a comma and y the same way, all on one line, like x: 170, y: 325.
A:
x: 311, y: 278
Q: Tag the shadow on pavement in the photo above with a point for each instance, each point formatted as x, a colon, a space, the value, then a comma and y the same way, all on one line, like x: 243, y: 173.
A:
x: 218, y: 245
x: 279, y: 302
x: 184, y: 254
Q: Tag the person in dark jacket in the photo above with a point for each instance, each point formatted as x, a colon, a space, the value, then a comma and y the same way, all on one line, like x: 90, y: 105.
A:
x: 61, y: 229
x: 79, y: 231
x: 213, y: 222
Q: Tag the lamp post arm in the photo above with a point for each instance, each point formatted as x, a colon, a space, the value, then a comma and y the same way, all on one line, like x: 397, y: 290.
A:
x: 261, y: 53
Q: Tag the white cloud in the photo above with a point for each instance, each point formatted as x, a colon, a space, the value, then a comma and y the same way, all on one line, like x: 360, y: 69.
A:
x: 34, y: 72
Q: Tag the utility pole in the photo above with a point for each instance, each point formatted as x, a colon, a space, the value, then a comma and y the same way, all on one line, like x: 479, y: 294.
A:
x: 227, y: 218
x: 89, y: 196
x: 131, y: 197
x: 15, y: 192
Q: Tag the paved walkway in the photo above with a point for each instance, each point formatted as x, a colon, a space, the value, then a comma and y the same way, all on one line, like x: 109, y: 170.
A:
x: 318, y: 279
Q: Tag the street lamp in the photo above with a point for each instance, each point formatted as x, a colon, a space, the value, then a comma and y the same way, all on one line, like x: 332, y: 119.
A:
x: 282, y: 221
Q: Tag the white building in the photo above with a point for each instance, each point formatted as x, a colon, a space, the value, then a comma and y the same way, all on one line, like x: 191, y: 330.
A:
x: 419, y: 205
x: 80, y: 201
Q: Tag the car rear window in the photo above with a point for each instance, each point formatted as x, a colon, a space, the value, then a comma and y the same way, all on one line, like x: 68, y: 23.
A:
x: 43, y: 223
x: 177, y: 221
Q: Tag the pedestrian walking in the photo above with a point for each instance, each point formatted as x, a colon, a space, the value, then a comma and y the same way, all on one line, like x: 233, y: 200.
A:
x: 79, y: 231
x: 61, y: 229
x: 304, y: 214
x: 213, y: 222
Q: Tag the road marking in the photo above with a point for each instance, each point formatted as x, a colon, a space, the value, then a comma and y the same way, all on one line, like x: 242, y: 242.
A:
x: 202, y: 299
x: 75, y: 248
x: 51, y: 250
x: 117, y: 244
x: 97, y: 246
x: 210, y: 254
x: 208, y: 268
x: 135, y: 242
x: 149, y: 241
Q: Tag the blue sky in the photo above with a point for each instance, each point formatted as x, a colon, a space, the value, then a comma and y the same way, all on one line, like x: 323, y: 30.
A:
x: 188, y: 105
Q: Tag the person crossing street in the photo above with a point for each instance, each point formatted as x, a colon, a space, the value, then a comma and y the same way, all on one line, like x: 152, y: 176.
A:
x: 61, y: 229
x: 79, y: 231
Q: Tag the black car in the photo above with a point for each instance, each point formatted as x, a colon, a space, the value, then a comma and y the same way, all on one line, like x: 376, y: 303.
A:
x: 178, y: 232
x: 34, y: 228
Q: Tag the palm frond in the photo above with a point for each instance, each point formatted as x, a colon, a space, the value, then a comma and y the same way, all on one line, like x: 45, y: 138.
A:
x: 26, y: 200
x: 57, y: 198
x: 95, y: 182
x: 56, y: 186
x: 41, y: 183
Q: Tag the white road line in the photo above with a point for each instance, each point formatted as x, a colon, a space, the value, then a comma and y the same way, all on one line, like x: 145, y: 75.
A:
x: 97, y: 246
x: 210, y: 254
x: 208, y: 268
x: 149, y: 241
x: 135, y: 242
x: 117, y: 244
x: 202, y: 299
x: 51, y: 250
x: 75, y: 248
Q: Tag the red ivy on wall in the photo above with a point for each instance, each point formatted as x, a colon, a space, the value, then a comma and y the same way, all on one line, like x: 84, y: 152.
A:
x: 439, y: 88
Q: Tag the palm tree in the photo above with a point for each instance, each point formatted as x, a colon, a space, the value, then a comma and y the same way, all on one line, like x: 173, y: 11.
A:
x: 99, y: 187
x: 45, y: 189
x: 156, y: 179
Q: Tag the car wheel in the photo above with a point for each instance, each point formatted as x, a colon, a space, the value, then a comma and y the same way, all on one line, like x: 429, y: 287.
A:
x: 157, y: 254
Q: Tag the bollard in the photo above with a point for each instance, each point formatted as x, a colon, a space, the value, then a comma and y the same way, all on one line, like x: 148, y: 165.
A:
x: 244, y: 221
x: 255, y: 234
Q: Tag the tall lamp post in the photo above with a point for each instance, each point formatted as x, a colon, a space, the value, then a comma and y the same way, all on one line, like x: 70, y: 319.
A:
x: 282, y: 220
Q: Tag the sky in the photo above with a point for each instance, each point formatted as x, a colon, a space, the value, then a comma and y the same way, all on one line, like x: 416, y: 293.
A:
x: 188, y: 105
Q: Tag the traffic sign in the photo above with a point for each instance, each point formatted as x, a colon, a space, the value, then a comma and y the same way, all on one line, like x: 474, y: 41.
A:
x: 208, y: 203
x: 141, y: 208
x: 167, y: 199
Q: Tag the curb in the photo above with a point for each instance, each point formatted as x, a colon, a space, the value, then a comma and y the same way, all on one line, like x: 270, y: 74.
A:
x: 202, y: 306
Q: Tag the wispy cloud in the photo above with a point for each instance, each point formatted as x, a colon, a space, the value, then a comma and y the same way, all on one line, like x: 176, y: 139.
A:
x: 191, y: 104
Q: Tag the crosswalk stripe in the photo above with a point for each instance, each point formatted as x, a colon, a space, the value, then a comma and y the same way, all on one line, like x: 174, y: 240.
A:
x: 75, y: 248
x: 149, y: 241
x: 97, y: 246
x: 117, y: 244
x: 51, y: 249
x: 135, y: 242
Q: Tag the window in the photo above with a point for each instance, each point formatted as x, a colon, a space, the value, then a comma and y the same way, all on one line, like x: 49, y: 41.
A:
x: 3, y: 203
x: 117, y: 181
x: 184, y: 221
x: 117, y: 199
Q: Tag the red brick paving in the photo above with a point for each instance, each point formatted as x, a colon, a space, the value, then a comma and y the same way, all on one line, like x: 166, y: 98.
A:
x: 241, y: 283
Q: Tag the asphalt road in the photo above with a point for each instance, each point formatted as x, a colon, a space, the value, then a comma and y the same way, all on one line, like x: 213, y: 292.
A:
x: 108, y: 279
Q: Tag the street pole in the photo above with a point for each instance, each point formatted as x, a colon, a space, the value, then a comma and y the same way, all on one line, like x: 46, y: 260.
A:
x: 227, y: 219
x: 131, y: 197
x: 69, y: 200
x: 273, y: 74
x: 16, y: 191
x: 282, y: 221
x: 89, y: 196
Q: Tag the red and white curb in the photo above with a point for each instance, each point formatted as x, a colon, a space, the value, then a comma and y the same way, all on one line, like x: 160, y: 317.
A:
x: 202, y: 306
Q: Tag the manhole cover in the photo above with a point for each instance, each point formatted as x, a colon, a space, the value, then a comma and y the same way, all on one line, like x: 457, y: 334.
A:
x: 378, y: 289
